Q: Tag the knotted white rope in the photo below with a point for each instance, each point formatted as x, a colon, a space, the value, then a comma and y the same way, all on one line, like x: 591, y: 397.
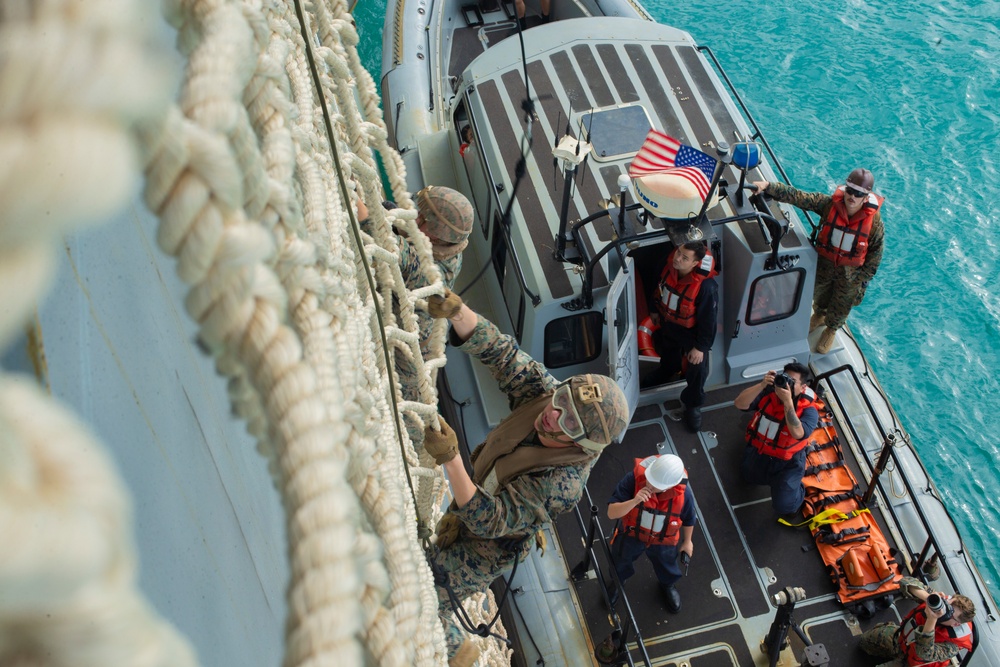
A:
x: 68, y: 591
x: 294, y: 298
x: 431, y: 486
x: 73, y: 84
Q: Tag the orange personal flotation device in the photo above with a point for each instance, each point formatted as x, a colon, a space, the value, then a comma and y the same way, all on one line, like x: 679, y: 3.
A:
x: 859, y: 561
x: 676, y: 295
x: 767, y: 431
x: 658, y: 520
x: 959, y: 635
x: 843, y: 240
x: 645, y: 336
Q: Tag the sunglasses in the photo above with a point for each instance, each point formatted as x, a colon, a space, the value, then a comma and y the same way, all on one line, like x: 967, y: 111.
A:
x: 854, y: 192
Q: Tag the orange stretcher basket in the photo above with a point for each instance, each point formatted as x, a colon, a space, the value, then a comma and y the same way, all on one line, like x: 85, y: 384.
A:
x: 858, y: 558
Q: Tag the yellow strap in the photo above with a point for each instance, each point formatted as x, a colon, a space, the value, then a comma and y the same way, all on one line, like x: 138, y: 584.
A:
x: 827, y: 517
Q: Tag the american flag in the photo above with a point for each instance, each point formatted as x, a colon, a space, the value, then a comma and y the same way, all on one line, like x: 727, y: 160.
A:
x: 661, y: 153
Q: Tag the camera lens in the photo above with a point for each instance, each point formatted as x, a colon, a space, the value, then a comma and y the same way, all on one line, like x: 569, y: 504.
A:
x: 934, y: 601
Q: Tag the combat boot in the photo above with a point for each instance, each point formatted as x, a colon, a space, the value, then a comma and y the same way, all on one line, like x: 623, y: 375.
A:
x: 816, y: 321
x: 826, y: 341
x: 465, y: 656
x: 672, y: 598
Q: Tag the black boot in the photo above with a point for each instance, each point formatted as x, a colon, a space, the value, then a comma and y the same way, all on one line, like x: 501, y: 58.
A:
x: 692, y: 417
x: 672, y: 599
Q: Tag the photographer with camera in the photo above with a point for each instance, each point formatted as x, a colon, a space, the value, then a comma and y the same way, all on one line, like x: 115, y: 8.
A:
x: 784, y: 418
x: 931, y: 635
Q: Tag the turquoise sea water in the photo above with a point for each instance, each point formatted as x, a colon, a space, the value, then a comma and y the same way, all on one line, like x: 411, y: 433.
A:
x: 910, y: 91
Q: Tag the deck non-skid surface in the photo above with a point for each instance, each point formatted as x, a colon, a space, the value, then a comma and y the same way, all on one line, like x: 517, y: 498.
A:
x: 742, y: 555
x: 567, y: 84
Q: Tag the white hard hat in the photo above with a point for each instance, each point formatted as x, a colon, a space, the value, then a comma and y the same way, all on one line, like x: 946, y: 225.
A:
x: 665, y: 472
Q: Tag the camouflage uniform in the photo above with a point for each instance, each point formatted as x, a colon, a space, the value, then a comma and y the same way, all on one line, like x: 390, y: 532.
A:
x: 450, y: 264
x: 409, y: 265
x: 881, y: 640
x: 446, y: 217
x: 497, y: 529
x: 838, y: 288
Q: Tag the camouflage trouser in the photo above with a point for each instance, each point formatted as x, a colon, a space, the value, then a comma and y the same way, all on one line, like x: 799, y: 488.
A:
x: 838, y: 289
x: 471, y: 565
x: 881, y: 642
x: 409, y: 387
x: 409, y: 381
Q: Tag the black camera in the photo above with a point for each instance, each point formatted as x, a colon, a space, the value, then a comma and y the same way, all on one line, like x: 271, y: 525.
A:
x: 784, y: 381
x: 935, y: 602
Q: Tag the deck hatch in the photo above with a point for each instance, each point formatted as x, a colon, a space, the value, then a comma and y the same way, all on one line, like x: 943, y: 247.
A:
x: 617, y: 132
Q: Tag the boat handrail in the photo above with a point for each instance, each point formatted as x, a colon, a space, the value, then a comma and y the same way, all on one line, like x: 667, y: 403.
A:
x: 586, y: 299
x: 931, y: 540
x: 621, y: 627
x: 758, y: 135
x: 430, y: 64
x: 503, y: 210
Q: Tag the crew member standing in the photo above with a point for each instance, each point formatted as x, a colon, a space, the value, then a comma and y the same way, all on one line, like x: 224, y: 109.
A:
x: 784, y: 418
x: 849, y: 245
x: 659, y: 518
x: 685, y: 305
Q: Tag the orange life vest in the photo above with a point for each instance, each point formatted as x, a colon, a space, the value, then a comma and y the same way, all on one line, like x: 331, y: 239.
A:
x: 843, y: 240
x: 767, y: 431
x: 677, y: 295
x: 959, y: 635
x: 658, y: 520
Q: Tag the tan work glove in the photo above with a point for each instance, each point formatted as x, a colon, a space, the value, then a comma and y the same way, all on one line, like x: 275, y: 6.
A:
x: 447, y: 530
x: 443, y: 444
x: 541, y: 541
x: 447, y: 306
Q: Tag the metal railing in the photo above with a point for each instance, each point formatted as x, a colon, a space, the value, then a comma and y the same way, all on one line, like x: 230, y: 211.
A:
x: 757, y: 134
x: 918, y: 557
x: 621, y: 626
x: 586, y: 300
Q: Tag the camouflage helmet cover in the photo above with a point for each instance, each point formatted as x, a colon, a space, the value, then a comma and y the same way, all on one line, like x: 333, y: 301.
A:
x: 447, y: 213
x: 602, y: 407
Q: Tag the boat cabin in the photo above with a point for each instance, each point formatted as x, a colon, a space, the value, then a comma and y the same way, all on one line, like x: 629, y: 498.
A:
x: 577, y: 304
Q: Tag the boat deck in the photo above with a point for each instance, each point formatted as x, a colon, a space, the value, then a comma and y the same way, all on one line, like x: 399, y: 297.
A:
x: 568, y: 83
x: 742, y: 556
